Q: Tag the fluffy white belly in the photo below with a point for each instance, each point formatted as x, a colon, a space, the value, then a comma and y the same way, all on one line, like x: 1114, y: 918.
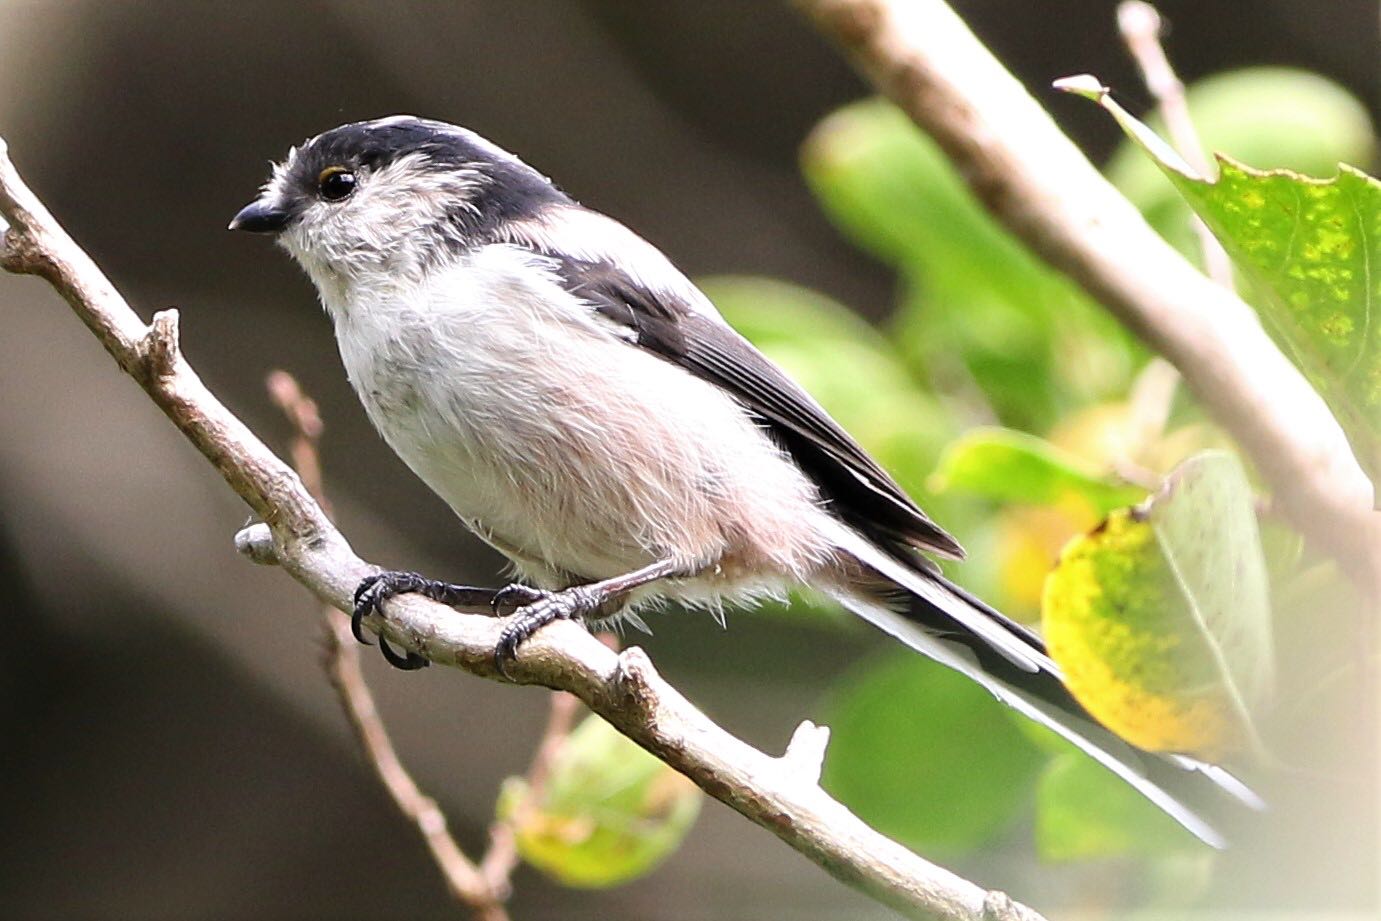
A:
x: 576, y: 454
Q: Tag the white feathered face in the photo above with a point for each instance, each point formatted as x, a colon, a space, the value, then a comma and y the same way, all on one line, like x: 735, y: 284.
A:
x: 394, y: 195
x: 394, y: 217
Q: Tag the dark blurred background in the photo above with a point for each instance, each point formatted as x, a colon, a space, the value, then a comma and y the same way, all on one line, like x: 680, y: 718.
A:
x: 170, y: 746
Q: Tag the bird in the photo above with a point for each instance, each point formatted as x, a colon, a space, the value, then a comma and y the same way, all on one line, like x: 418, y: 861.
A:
x: 585, y: 410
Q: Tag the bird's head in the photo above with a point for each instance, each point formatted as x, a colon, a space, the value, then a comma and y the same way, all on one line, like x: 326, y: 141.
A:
x: 392, y: 195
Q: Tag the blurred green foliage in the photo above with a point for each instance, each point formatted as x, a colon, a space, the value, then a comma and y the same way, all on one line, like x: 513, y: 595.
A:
x: 981, y: 318
x: 1083, y: 813
x: 1010, y: 466
x: 985, y: 334
x: 893, y: 755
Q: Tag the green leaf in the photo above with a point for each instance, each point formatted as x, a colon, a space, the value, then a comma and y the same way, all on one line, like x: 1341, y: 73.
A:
x: 1272, y: 117
x: 1313, y: 249
x: 609, y: 812
x: 891, y: 188
x: 1010, y: 466
x: 1084, y: 812
x: 1160, y: 617
x: 925, y: 755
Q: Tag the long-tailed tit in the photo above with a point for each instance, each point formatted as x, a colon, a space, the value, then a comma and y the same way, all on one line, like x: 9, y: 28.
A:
x: 584, y: 409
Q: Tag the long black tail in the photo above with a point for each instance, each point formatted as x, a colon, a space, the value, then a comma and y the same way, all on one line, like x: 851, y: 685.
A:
x: 958, y: 630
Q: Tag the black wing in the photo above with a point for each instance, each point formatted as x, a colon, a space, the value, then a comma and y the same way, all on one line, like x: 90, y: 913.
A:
x: 859, y: 490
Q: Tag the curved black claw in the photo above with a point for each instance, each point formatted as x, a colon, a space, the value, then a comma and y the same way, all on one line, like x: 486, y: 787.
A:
x: 515, y: 595
x: 510, y: 638
x: 366, y: 602
x: 407, y: 660
x: 547, y: 607
x: 374, y: 590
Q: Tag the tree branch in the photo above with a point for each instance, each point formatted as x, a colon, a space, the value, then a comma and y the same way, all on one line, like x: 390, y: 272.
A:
x: 623, y: 688
x: 1035, y: 181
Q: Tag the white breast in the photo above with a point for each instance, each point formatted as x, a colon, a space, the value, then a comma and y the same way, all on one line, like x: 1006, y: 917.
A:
x: 569, y: 449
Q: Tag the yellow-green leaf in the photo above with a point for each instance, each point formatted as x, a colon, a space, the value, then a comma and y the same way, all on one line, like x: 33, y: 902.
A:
x: 609, y: 812
x: 1313, y: 249
x: 1160, y: 617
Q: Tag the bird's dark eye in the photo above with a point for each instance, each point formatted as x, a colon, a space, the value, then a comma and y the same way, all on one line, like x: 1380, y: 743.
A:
x: 335, y: 183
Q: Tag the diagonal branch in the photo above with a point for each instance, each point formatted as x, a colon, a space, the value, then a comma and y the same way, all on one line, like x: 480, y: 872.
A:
x: 1035, y: 181
x: 780, y: 794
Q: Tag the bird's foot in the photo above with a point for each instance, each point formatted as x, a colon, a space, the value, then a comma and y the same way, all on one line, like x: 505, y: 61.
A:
x: 513, y: 596
x: 536, y: 609
x: 374, y: 590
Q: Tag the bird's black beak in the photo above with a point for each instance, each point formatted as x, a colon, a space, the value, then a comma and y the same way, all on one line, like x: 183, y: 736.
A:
x: 260, y: 216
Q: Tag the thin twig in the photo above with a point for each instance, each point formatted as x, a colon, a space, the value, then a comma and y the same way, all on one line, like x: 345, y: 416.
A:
x: 501, y: 857
x: 1035, y: 181
x: 1150, y: 401
x: 481, y: 893
x: 1141, y: 28
x: 466, y: 883
x: 305, y: 447
x: 623, y: 688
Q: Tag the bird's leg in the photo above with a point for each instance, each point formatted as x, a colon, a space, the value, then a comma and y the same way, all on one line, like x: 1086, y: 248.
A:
x: 537, y: 608
x: 376, y: 589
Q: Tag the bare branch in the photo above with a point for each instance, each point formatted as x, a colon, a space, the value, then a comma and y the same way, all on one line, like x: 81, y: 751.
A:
x: 255, y: 543
x: 481, y: 894
x: 920, y: 55
x: 623, y: 688
x: 1141, y: 28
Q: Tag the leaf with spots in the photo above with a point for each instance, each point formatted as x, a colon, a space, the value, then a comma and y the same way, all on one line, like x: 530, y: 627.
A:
x: 1160, y: 617
x: 1312, y: 248
x: 1266, y: 116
